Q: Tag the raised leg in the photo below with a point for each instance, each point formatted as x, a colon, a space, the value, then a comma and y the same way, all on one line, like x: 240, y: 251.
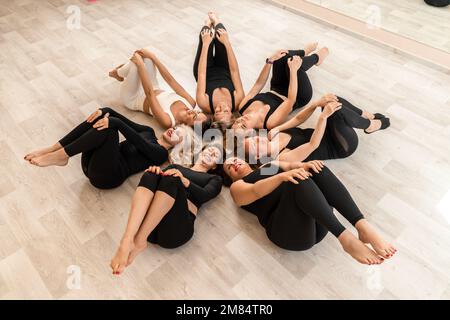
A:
x: 139, y: 207
x: 338, y: 197
x: 210, y: 57
x: 311, y: 201
x: 220, y: 54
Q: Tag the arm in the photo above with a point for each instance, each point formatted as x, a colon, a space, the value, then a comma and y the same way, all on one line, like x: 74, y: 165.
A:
x: 150, y: 150
x: 235, y: 75
x: 206, y: 193
x: 299, y: 118
x: 304, y: 114
x: 258, y: 86
x: 161, y: 116
x: 262, y: 78
x: 283, y: 110
x: 244, y: 193
x: 167, y: 76
x: 302, y: 152
x: 233, y: 64
x: 201, y: 96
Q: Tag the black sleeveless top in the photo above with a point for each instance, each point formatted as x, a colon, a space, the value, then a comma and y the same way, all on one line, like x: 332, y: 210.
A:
x: 299, y: 136
x: 268, y: 98
x: 262, y: 208
x: 217, y: 77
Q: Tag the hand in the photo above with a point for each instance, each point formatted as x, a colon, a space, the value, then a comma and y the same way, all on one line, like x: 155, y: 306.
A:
x: 155, y: 170
x: 145, y: 53
x: 273, y: 133
x: 97, y: 113
x: 277, y: 55
x: 314, y: 165
x: 295, y: 63
x: 137, y: 59
x: 177, y: 173
x: 294, y: 174
x: 222, y: 36
x: 206, y: 37
x: 103, y: 123
x: 329, y: 97
x: 331, y: 108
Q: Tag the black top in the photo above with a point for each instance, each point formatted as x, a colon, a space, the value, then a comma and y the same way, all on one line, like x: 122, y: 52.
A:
x: 141, y: 148
x: 203, y: 186
x: 217, y: 77
x: 263, y: 207
x: 268, y: 98
x: 299, y: 136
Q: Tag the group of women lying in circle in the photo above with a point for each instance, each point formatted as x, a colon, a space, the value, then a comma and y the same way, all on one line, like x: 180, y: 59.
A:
x: 293, y: 195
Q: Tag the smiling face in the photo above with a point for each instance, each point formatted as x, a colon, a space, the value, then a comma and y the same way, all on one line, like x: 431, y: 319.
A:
x: 236, y: 168
x: 257, y: 146
x: 189, y: 117
x: 173, y: 136
x: 222, y: 112
x: 245, y: 122
x: 210, y: 157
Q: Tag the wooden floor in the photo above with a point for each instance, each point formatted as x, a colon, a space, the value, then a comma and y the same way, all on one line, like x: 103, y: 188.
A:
x: 413, y: 19
x: 52, y: 221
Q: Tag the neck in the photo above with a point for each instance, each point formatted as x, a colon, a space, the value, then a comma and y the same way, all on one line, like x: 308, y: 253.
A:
x: 248, y: 170
x: 163, y: 143
x: 200, y: 167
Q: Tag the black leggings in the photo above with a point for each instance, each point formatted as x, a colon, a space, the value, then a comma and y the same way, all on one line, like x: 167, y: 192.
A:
x: 177, y: 226
x: 217, y: 53
x: 281, y: 76
x: 305, y: 211
x: 340, y: 129
x: 101, y: 159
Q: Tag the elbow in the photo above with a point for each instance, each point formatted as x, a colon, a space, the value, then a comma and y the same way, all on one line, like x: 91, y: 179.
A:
x: 313, y: 145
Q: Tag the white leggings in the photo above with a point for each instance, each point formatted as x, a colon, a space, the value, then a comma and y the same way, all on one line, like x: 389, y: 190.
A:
x: 132, y: 93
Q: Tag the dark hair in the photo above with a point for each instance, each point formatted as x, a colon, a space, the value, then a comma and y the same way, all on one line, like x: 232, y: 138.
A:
x: 206, y: 124
x: 226, y: 179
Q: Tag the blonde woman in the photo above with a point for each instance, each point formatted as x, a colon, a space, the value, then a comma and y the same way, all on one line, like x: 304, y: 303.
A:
x: 140, y: 91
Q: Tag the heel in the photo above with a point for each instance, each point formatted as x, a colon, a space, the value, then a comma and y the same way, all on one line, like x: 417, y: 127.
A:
x: 385, y: 123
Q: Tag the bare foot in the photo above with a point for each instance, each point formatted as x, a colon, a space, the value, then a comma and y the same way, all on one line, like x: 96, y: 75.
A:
x: 56, y: 158
x: 322, y: 53
x: 358, y: 250
x: 374, y: 126
x: 367, y: 234
x: 368, y: 115
x: 119, y: 262
x: 208, y: 23
x: 213, y: 17
x: 41, y: 152
x: 310, y: 47
x: 138, y: 248
x: 113, y: 74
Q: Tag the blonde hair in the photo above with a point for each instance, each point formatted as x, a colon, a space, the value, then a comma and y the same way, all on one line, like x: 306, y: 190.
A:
x: 183, y: 153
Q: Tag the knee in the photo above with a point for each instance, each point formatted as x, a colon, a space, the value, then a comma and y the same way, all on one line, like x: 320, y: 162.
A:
x: 323, y: 173
x: 149, y: 181
x: 170, y: 185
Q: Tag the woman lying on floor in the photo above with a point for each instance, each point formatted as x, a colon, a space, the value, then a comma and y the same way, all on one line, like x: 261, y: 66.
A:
x: 165, y: 206
x: 290, y: 88
x: 104, y: 160
x: 140, y: 91
x: 334, y: 136
x: 294, y: 202
x: 219, y: 85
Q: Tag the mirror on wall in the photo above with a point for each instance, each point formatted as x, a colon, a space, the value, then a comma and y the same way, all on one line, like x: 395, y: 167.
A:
x: 414, y: 19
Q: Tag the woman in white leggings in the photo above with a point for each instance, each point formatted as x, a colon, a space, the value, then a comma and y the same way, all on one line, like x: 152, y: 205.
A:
x: 140, y: 91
